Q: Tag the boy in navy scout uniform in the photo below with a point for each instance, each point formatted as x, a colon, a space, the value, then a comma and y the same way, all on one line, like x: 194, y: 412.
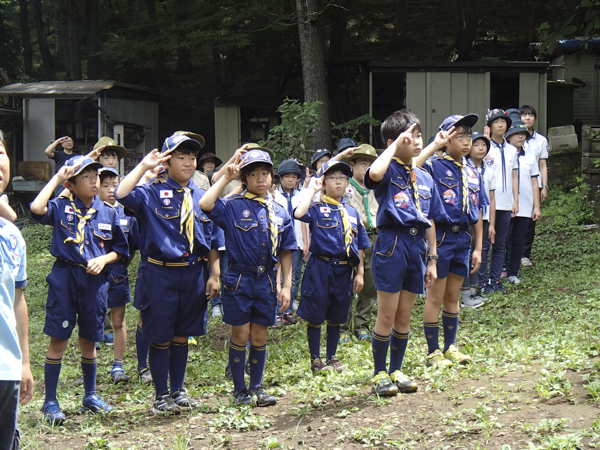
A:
x: 86, y: 237
x: 118, y: 292
x: 363, y: 200
x: 258, y: 234
x: 406, y: 240
x: 336, y: 247
x: 174, y: 284
x: 460, y: 190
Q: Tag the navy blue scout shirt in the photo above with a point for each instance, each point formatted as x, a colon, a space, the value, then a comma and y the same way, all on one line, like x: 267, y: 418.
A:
x: 129, y: 225
x: 327, y: 231
x: 449, y: 189
x: 157, y: 207
x: 102, y: 233
x: 245, y: 223
x: 395, y: 196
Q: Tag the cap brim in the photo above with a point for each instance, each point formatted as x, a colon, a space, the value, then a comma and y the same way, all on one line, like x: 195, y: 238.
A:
x: 344, y: 167
x: 92, y: 165
x: 469, y: 120
x: 359, y: 155
x: 512, y: 131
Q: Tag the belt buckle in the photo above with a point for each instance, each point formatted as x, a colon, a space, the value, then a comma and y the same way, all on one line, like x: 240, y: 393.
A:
x: 193, y: 260
x: 260, y: 269
x: 455, y: 229
x: 413, y: 231
x: 334, y: 261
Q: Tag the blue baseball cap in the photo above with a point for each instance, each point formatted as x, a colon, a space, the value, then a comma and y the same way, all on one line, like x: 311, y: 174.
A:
x: 172, y: 142
x: 456, y: 120
x: 108, y: 170
x: 334, y: 164
x: 318, y: 155
x: 255, y: 156
x: 85, y: 162
x: 345, y: 143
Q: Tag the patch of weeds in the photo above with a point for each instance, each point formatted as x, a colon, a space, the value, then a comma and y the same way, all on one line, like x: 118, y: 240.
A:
x: 552, y: 385
x: 372, y: 436
x: 241, y: 419
x: 544, y: 427
x: 593, y: 388
x: 272, y: 443
x: 486, y: 422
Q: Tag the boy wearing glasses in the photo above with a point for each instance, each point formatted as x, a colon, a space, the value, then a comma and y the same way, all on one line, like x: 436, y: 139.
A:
x: 336, y: 247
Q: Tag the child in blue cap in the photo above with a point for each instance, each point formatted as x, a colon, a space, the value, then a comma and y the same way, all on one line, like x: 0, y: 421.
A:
x: 258, y: 234
x: 335, y: 268
x: 87, y: 236
x: 174, y: 285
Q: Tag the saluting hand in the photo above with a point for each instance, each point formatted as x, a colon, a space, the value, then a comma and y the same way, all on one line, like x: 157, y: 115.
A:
x: 66, y: 173
x: 154, y: 158
x: 443, y: 137
x: 405, y: 138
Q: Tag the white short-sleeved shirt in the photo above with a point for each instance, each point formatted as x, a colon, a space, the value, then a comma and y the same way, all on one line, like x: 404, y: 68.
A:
x: 13, y: 275
x: 528, y: 169
x: 502, y: 173
x: 537, y: 145
x: 489, y: 182
x: 282, y: 198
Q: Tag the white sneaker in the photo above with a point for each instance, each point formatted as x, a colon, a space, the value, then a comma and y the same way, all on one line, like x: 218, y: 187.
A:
x: 513, y: 279
x: 216, y: 311
x: 471, y: 301
x: 295, y: 305
x: 525, y: 262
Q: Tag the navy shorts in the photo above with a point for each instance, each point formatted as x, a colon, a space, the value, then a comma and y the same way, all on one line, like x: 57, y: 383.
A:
x: 326, y: 292
x: 172, y: 301
x: 249, y: 297
x: 138, y: 291
x: 9, y: 401
x: 398, y: 262
x: 453, y: 250
x: 75, y: 297
x: 118, y: 290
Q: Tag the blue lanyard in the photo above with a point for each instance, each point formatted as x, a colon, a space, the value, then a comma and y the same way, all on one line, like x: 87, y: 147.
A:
x: 501, y: 147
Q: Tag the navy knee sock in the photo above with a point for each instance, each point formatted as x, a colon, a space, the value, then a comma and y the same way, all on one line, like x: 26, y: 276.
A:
x: 177, y: 365
x: 379, y: 345
x: 398, y: 343
x: 333, y: 338
x: 51, y: 373
x: 313, y: 332
x: 88, y: 367
x: 432, y: 333
x: 257, y: 357
x: 237, y: 360
x: 141, y: 346
x: 158, y: 357
x: 450, y: 322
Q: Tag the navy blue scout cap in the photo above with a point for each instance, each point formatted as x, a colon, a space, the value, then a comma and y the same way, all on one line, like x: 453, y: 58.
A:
x: 318, y: 155
x: 456, y: 120
x: 255, y: 156
x: 497, y: 113
x: 289, y: 166
x: 85, y: 161
x: 254, y: 146
x: 108, y: 170
x: 345, y: 143
x: 172, y: 142
x: 334, y: 164
x: 517, y: 127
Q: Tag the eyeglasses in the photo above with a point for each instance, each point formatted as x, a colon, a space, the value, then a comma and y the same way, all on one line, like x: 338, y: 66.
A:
x: 334, y: 179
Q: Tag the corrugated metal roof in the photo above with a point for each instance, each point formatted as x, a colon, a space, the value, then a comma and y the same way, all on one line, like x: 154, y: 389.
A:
x: 81, y: 88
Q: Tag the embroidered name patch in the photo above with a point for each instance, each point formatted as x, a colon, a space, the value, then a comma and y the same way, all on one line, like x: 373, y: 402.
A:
x: 104, y: 226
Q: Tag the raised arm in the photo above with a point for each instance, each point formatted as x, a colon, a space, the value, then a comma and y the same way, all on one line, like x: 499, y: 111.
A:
x: 39, y: 205
x: 150, y: 161
x: 381, y: 164
x: 304, y: 204
x: 237, y: 156
x: 208, y: 200
x: 50, y: 149
x: 440, y: 141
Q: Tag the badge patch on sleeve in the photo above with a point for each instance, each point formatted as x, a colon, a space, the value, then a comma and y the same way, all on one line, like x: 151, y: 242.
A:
x: 449, y: 197
x: 401, y: 200
x: 474, y: 198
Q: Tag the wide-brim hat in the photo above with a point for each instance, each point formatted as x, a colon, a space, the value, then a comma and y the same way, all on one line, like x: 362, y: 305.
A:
x: 172, y: 142
x: 497, y: 113
x: 457, y: 120
x: 110, y: 144
x: 345, y: 143
x: 334, y: 164
x: 517, y: 127
x: 477, y: 135
x: 365, y: 151
x: 319, y: 153
x: 289, y: 166
x: 254, y: 157
x: 85, y: 162
x: 209, y: 155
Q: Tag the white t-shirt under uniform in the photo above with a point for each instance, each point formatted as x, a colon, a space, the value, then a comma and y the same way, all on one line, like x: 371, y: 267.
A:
x: 537, y: 145
x: 528, y: 169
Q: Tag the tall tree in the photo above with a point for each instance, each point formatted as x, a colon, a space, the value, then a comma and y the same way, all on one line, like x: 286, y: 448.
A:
x: 94, y: 59
x: 314, y: 73
x: 25, y: 37
x: 69, y: 36
x: 466, y: 27
x: 42, y: 37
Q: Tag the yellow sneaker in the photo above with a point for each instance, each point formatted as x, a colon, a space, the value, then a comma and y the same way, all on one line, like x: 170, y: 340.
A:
x: 437, y: 359
x: 455, y: 356
x: 403, y: 383
x: 192, y: 341
x: 383, y: 386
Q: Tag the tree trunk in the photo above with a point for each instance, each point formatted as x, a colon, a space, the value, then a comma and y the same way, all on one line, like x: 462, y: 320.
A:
x: 159, y: 55
x: 69, y: 37
x: 314, y: 73
x: 337, y: 36
x: 25, y: 37
x: 466, y: 28
x: 399, y: 36
x: 94, y: 59
x: 42, y: 33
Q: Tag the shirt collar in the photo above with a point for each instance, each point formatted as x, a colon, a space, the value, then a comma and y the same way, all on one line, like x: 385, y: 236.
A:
x: 174, y: 185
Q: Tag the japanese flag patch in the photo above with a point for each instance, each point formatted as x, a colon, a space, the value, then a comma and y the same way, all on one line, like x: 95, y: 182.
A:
x: 325, y: 209
x: 69, y: 209
x: 166, y: 194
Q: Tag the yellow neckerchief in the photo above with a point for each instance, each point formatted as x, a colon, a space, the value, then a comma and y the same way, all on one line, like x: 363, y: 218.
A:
x: 79, y: 234
x: 345, y: 221
x: 413, y: 180
x: 187, y: 216
x: 465, y: 185
x: 271, y: 225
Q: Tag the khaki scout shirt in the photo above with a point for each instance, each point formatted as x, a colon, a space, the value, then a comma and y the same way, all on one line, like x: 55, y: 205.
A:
x: 356, y: 200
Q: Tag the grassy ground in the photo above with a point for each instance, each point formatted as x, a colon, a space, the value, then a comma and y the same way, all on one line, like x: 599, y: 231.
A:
x: 534, y: 382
